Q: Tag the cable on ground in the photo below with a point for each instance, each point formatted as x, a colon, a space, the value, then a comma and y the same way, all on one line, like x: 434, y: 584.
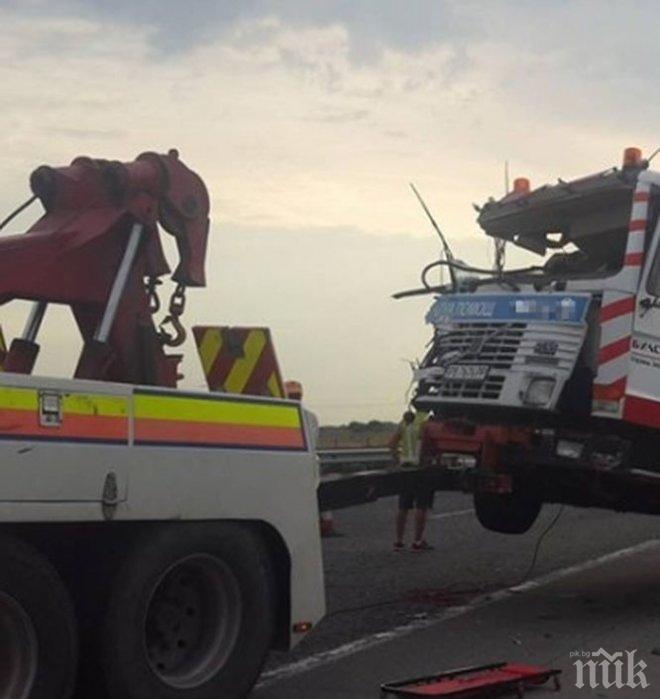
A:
x: 537, y: 547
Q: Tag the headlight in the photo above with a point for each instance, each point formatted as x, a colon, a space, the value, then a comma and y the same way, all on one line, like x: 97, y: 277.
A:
x: 539, y: 391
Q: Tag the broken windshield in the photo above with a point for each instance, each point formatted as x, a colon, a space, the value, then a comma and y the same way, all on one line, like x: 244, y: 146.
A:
x: 581, y: 227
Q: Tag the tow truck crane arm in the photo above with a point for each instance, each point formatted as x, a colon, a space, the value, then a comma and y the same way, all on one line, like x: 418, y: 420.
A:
x: 97, y: 249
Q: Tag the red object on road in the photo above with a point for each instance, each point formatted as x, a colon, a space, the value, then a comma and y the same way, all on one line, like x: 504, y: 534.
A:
x: 479, y: 681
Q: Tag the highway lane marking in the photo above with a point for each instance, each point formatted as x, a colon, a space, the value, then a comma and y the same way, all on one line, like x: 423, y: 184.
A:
x: 325, y: 657
x: 456, y: 513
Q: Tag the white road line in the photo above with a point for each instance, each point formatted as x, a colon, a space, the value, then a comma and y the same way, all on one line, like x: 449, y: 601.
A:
x: 314, y: 661
x: 457, y: 513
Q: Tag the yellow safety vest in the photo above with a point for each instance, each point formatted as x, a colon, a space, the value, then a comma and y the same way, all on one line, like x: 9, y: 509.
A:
x: 411, y: 443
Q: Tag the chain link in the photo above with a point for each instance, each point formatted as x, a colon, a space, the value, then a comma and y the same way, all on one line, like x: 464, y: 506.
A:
x: 152, y: 293
x: 178, y: 300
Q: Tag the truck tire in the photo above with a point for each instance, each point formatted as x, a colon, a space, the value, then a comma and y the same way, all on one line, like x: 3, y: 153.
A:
x: 509, y: 513
x: 38, y: 633
x: 191, y: 614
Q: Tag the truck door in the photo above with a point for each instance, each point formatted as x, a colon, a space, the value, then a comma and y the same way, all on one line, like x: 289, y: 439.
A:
x: 62, y: 444
x: 644, y: 373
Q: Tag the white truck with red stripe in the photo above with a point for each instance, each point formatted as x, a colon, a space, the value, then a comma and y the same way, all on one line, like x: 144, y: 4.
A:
x: 548, y: 377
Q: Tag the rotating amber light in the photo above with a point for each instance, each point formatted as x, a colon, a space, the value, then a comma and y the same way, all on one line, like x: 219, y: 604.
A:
x: 632, y: 157
x: 521, y: 185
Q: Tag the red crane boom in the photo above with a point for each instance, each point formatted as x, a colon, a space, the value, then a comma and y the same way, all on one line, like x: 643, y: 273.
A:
x: 97, y: 249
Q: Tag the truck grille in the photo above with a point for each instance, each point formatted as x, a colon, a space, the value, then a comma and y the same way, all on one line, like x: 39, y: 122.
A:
x: 494, y: 344
x: 491, y: 344
x: 505, y: 348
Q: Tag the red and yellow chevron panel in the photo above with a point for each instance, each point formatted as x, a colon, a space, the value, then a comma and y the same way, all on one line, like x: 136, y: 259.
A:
x: 239, y: 360
x: 163, y: 419
x: 85, y: 417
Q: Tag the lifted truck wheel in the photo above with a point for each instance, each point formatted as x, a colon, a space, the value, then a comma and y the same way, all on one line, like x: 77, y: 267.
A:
x: 191, y: 614
x: 507, y: 513
x: 38, y: 635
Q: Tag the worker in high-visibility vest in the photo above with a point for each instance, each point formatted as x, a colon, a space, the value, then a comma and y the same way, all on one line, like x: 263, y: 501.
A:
x: 407, y: 448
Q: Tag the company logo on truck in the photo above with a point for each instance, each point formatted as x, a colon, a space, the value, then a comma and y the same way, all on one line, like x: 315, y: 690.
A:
x: 444, y: 310
x: 509, y: 307
x: 644, y: 346
x: 547, y: 348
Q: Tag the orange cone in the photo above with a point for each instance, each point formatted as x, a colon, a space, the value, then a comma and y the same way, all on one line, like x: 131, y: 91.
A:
x: 327, y: 524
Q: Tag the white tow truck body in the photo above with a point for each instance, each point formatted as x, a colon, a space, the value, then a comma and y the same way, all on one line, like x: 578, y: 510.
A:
x: 85, y: 451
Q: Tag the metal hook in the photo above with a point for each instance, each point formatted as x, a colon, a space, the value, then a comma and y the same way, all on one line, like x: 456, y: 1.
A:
x: 167, y: 338
x: 177, y: 306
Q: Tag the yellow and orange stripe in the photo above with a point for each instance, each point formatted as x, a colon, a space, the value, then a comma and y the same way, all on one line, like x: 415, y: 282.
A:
x: 160, y: 418
x: 186, y: 420
x: 85, y: 417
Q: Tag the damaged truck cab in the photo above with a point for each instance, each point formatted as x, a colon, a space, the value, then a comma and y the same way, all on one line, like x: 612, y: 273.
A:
x: 549, y: 376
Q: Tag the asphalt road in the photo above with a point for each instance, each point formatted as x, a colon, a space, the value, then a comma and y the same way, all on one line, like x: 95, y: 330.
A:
x: 373, y: 590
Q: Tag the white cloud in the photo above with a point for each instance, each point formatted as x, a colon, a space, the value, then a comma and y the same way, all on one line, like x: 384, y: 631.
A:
x: 298, y: 136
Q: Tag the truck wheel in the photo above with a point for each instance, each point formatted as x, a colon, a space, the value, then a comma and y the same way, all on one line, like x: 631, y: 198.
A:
x: 38, y: 634
x: 191, y: 614
x: 510, y: 513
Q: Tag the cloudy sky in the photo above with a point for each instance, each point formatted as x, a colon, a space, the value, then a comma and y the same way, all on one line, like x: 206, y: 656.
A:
x: 307, y: 119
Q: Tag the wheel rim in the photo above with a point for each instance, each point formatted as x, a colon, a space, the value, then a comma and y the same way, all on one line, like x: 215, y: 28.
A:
x: 193, y: 620
x: 18, y: 650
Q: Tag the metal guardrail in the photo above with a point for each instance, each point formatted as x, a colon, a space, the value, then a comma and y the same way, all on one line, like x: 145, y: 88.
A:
x: 350, y: 460
x: 353, y: 476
